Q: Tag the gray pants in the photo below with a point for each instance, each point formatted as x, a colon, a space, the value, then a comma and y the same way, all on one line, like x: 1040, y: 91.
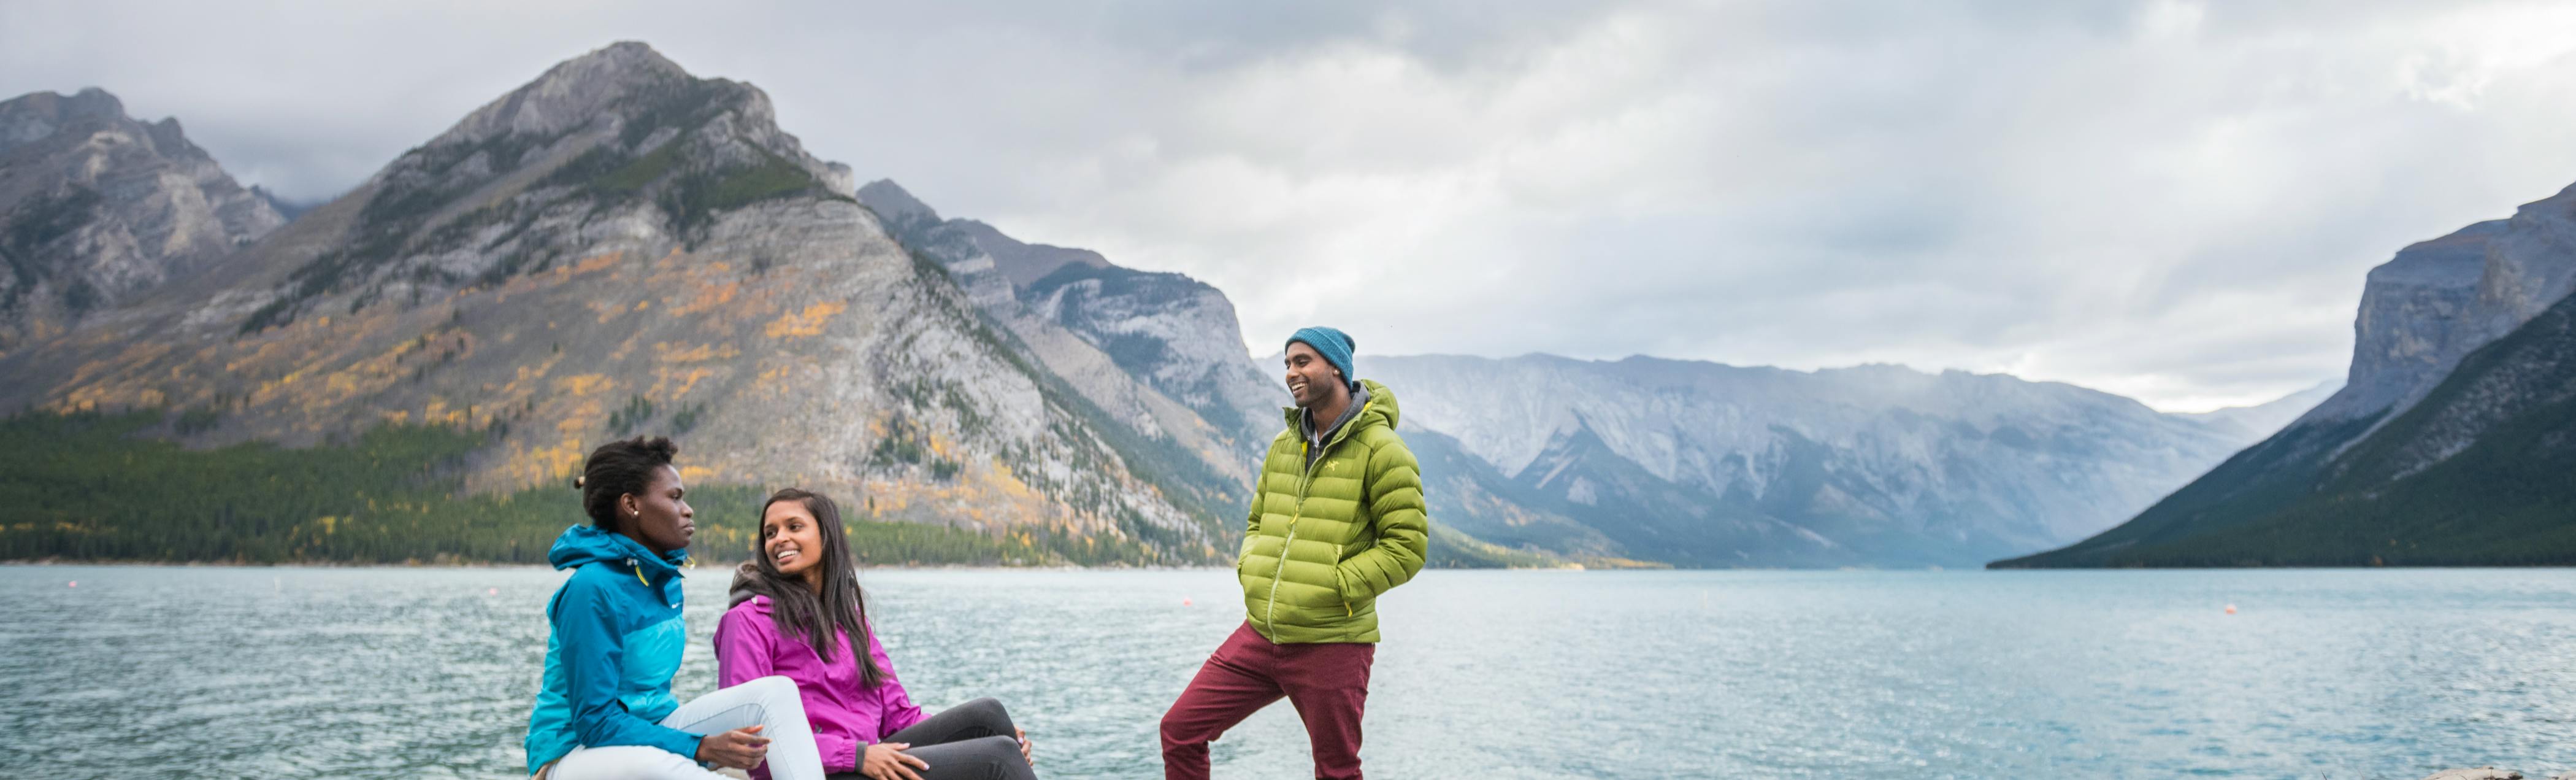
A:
x: 971, y: 741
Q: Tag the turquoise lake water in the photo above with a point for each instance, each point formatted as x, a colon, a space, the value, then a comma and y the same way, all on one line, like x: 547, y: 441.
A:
x: 394, y: 672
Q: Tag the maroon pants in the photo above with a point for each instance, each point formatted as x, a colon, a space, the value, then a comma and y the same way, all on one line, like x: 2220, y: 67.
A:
x: 1328, y: 683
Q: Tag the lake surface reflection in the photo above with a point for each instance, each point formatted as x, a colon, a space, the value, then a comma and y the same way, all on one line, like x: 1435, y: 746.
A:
x: 392, y: 672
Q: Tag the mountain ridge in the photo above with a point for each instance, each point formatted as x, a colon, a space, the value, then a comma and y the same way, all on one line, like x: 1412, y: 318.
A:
x: 1868, y: 465
x: 1177, y: 334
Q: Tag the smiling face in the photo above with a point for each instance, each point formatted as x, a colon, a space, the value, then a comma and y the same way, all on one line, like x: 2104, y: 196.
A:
x: 660, y: 517
x: 792, y: 540
x: 1311, y: 378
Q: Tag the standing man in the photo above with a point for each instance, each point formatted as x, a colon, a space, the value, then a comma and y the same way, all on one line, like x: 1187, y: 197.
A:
x: 1336, y: 520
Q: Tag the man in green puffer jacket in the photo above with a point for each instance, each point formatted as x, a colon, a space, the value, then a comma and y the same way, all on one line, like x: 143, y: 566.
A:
x: 1336, y: 520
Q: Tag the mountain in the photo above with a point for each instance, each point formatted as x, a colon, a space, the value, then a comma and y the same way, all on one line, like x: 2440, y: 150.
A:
x: 622, y: 247
x: 1712, y: 465
x: 2450, y: 443
x: 289, y: 209
x: 2267, y: 418
x: 1468, y: 495
x: 101, y: 207
x: 1177, y: 334
x: 985, y: 260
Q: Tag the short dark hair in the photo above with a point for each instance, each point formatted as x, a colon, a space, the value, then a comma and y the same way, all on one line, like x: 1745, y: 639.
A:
x: 619, y: 468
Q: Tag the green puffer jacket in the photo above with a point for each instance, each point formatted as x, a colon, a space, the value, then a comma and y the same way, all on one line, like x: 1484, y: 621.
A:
x: 1323, y: 542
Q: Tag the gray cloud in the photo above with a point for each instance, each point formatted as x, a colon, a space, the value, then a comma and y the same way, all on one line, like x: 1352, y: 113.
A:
x: 2174, y: 201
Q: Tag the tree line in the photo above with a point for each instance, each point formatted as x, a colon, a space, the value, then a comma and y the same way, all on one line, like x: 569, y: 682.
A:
x: 99, y: 486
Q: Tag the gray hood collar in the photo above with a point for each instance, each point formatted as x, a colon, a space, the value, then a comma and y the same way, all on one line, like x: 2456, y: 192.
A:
x: 1306, y: 422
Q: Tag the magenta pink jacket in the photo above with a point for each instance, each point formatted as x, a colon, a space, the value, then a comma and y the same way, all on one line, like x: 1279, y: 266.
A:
x: 846, y: 717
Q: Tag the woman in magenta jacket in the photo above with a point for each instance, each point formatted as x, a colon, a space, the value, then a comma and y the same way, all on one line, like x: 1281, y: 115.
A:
x: 798, y: 612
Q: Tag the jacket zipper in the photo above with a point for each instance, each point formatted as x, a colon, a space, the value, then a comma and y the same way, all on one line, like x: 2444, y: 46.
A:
x: 1270, y: 610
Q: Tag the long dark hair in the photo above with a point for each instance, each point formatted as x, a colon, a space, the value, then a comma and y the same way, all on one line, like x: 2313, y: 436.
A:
x: 818, y: 619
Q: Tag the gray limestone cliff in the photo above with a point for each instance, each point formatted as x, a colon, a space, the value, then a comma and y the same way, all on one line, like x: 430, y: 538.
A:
x: 1176, y: 334
x: 101, y: 207
x: 2437, y: 300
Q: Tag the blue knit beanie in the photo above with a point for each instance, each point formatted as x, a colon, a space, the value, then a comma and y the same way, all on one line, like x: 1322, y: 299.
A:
x: 1334, y: 345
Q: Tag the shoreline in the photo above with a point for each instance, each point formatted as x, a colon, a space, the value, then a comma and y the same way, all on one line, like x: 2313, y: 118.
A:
x: 707, y: 566
x: 718, y: 565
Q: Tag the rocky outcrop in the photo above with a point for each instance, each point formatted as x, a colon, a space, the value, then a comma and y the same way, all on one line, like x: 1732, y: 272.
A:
x: 1176, y: 334
x: 1012, y: 262
x: 100, y: 207
x: 2438, y: 300
x: 992, y: 267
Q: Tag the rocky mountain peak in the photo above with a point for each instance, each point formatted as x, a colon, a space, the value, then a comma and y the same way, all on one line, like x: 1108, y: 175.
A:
x: 573, y: 93
x: 645, y: 100
x: 39, y: 115
x: 42, y: 115
x: 619, y: 140
x: 100, y: 207
x: 94, y: 101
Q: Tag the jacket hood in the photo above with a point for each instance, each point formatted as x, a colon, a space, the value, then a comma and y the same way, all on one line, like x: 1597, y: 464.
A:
x: 747, y: 584
x: 586, y: 543
x: 1380, y: 410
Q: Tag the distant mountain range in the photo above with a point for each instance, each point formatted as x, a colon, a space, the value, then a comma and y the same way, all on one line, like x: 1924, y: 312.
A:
x: 2453, y: 441
x: 2264, y: 419
x: 622, y: 247
x: 1711, y: 465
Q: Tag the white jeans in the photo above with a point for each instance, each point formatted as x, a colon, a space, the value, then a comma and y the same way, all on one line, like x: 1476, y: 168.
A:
x: 769, y: 701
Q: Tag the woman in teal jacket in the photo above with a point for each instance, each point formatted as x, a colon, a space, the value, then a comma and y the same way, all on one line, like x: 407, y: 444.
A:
x: 604, y: 708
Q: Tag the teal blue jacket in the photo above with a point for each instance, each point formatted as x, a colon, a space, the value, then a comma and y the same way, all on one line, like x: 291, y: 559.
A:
x: 616, y: 643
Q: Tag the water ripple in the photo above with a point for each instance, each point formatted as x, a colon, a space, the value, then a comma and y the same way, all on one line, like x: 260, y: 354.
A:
x: 237, y: 672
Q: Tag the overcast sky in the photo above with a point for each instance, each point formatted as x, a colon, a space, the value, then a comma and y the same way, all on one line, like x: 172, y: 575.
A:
x: 2173, y: 201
